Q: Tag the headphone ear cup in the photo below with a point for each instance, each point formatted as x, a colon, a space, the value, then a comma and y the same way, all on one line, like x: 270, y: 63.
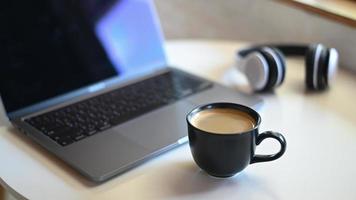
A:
x: 256, y: 69
x: 321, y: 66
x: 272, y: 60
x: 312, y: 58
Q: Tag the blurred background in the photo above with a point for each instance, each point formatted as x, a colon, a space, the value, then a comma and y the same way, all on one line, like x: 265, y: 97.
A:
x: 263, y: 21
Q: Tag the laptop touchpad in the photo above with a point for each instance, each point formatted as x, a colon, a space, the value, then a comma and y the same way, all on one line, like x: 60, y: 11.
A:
x: 159, y: 128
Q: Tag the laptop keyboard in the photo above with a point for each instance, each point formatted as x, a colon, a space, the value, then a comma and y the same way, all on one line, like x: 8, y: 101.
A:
x: 88, y: 117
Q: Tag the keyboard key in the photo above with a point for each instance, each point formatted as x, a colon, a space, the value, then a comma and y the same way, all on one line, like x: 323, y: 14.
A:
x: 65, y: 141
x: 104, y: 126
x: 78, y: 137
x: 92, y: 132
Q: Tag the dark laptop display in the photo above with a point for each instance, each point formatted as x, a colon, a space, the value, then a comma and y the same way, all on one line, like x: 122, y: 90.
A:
x: 52, y: 47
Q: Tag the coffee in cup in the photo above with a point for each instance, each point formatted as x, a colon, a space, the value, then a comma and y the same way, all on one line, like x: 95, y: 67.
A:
x: 223, y: 138
x: 223, y: 121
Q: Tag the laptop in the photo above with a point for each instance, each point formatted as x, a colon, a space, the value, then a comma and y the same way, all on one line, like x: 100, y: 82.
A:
x: 88, y: 81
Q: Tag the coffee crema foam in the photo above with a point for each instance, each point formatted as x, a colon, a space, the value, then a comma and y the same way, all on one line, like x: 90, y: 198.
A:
x: 223, y: 121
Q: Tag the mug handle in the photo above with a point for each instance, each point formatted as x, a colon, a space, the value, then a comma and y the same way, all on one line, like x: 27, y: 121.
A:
x: 270, y: 134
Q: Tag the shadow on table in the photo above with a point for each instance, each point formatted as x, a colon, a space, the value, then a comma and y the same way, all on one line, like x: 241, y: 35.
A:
x: 193, y: 180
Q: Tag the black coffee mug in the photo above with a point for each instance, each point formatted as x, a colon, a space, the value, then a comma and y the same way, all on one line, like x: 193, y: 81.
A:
x: 224, y: 155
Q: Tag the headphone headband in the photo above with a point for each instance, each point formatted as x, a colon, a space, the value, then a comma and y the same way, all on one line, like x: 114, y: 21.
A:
x: 286, y: 49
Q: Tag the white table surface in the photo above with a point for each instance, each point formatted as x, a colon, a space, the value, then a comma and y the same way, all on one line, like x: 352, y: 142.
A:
x: 320, y: 161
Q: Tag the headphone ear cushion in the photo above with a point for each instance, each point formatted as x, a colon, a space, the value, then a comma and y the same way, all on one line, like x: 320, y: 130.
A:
x: 322, y: 76
x: 310, y: 60
x: 282, y: 62
x: 273, y: 69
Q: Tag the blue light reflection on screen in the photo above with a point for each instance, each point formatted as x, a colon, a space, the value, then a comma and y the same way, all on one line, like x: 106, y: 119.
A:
x: 131, y: 36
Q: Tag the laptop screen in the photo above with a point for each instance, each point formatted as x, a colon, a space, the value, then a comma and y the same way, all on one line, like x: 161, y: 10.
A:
x: 50, y: 47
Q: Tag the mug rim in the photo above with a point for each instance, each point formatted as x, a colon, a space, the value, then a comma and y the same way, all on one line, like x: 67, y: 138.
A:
x: 250, y: 112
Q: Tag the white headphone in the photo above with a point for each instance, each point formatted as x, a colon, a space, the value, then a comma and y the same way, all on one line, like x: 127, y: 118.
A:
x: 264, y: 65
